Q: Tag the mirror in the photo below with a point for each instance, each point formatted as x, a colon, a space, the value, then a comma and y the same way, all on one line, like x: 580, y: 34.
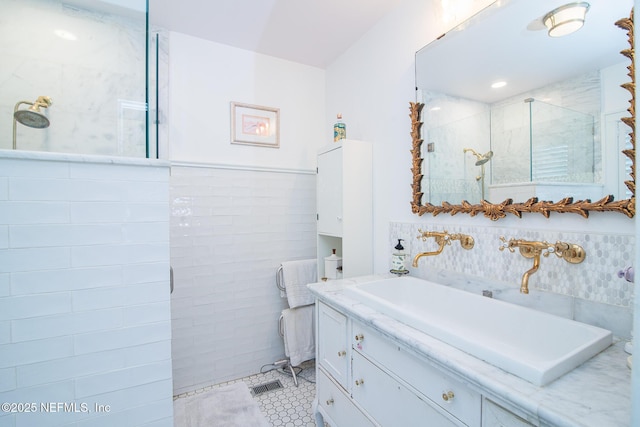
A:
x: 558, y: 130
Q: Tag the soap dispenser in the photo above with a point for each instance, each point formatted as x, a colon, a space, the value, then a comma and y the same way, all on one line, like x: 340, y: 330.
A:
x: 398, y: 259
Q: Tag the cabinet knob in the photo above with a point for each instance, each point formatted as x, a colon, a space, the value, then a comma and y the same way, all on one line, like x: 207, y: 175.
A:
x: 339, y: 218
x: 330, y: 402
x: 359, y: 382
x: 359, y: 337
x: 342, y: 353
x: 448, y: 396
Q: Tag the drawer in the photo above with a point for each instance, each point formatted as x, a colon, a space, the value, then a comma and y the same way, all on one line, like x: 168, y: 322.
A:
x: 338, y: 408
x: 451, y: 395
x: 390, y: 403
x: 333, y: 343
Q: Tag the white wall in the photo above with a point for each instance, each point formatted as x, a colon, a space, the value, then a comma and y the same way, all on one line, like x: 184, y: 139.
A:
x: 237, y: 211
x: 372, y: 85
x: 205, y: 77
x: 84, y: 289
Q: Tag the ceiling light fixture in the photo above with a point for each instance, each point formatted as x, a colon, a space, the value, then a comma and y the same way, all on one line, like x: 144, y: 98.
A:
x: 566, y: 19
x: 498, y: 85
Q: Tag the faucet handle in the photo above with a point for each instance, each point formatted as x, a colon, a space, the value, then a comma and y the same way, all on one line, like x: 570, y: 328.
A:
x: 465, y: 240
x: 570, y: 252
x: 506, y: 245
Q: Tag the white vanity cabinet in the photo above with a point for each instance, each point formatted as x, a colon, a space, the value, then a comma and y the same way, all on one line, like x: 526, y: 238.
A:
x: 389, y: 401
x: 378, y: 382
x: 445, y: 400
x: 333, y: 354
x: 333, y: 370
x: 345, y: 206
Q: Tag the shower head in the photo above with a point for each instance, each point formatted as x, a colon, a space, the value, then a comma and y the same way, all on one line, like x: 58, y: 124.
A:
x: 32, y: 116
x: 485, y: 158
x: 480, y: 159
x: 33, y: 119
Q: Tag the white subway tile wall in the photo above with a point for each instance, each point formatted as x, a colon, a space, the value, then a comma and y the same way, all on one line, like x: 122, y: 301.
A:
x: 84, y: 290
x: 230, y: 230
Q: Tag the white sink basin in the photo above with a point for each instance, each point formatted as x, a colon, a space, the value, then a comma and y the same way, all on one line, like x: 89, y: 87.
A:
x: 535, y: 346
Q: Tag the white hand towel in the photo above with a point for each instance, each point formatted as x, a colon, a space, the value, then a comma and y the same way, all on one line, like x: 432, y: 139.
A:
x: 299, y: 337
x: 296, y: 276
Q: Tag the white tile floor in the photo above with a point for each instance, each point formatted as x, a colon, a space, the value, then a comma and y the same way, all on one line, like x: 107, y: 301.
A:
x: 289, y: 406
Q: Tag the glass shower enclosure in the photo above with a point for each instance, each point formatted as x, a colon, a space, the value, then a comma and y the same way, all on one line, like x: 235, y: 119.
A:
x: 542, y: 143
x: 78, y: 76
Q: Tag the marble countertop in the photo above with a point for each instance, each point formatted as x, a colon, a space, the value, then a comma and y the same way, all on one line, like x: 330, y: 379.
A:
x: 596, y: 394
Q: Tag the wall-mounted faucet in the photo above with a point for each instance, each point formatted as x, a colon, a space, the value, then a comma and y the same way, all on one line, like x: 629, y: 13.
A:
x: 571, y: 253
x: 442, y: 238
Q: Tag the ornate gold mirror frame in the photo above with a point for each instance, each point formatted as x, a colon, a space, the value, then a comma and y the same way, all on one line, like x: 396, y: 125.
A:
x: 566, y: 205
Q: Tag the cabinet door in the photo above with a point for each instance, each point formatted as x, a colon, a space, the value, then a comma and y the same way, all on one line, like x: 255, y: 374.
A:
x: 333, y: 343
x: 337, y: 407
x: 329, y: 188
x: 389, y: 402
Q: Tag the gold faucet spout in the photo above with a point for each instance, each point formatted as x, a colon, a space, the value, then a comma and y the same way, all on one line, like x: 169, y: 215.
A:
x: 524, y: 286
x: 442, y: 238
x: 432, y: 253
x: 571, y: 253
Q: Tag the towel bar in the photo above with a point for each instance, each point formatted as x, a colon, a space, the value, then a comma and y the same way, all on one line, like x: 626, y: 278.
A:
x: 280, y: 279
x: 281, y: 326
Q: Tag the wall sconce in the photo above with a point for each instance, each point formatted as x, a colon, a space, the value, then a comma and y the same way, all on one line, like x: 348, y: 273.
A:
x: 566, y: 19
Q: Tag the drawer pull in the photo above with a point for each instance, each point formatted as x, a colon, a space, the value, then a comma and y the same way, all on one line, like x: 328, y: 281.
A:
x: 359, y: 382
x: 342, y: 353
x: 359, y: 337
x: 448, y: 396
x: 330, y: 402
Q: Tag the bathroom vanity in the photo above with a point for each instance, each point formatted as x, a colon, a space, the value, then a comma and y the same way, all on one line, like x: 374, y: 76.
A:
x: 374, y: 369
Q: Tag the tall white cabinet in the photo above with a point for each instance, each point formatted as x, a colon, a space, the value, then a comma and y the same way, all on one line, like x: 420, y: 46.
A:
x: 345, y: 206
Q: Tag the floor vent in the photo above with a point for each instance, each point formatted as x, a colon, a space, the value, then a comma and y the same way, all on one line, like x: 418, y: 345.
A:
x: 263, y: 388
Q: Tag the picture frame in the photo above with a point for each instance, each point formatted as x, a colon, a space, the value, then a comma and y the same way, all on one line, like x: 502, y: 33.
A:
x: 255, y: 125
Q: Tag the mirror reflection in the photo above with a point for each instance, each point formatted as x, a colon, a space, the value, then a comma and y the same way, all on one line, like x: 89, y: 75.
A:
x: 511, y: 112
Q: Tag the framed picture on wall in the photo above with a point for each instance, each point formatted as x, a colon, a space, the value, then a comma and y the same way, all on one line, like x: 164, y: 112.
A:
x: 255, y: 125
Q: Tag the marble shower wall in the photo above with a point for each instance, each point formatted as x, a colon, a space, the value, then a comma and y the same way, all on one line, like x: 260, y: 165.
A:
x: 567, y: 142
x: 97, y: 81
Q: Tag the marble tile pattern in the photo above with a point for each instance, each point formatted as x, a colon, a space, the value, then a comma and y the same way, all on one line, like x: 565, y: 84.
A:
x: 590, y: 292
x: 97, y: 81
x: 595, y: 279
x: 595, y: 394
x: 289, y: 406
x: 571, y: 106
